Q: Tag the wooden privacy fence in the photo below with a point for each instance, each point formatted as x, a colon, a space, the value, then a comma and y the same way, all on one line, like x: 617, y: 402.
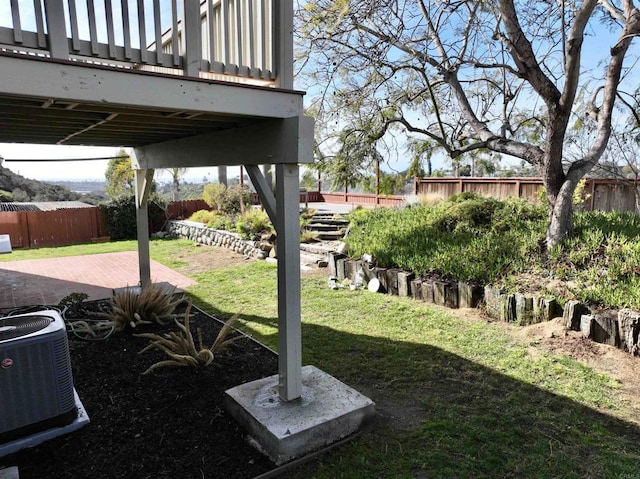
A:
x: 181, y: 210
x: 31, y: 229
x: 364, y: 199
x: 600, y: 194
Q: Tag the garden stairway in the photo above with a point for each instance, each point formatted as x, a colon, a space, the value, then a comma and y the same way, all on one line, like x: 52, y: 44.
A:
x: 328, y: 226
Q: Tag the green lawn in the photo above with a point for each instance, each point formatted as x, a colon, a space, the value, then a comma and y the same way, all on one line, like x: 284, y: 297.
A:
x: 74, y: 250
x: 456, y: 398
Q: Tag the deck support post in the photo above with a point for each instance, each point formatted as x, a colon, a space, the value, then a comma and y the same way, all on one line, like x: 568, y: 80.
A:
x: 289, y: 310
x: 143, y: 181
x: 284, y: 211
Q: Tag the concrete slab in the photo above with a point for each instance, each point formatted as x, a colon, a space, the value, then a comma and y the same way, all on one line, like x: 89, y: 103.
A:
x: 9, y: 473
x: 40, y: 437
x: 327, y: 411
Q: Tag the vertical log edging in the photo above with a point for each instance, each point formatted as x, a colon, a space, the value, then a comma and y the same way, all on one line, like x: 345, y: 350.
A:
x: 619, y: 329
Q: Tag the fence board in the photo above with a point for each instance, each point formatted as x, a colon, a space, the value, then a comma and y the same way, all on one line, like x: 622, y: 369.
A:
x: 180, y: 210
x: 606, y: 194
x: 14, y: 224
x: 364, y: 199
x: 29, y: 229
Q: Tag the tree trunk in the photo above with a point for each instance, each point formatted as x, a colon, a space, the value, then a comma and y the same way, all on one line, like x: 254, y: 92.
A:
x: 560, y: 215
x: 176, y: 188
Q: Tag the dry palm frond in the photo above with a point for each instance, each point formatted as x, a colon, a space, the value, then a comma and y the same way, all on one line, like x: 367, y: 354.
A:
x: 151, y: 304
x: 181, y: 348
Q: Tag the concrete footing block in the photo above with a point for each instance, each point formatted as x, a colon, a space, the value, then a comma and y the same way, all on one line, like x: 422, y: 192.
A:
x: 40, y: 437
x: 9, y: 473
x: 327, y: 411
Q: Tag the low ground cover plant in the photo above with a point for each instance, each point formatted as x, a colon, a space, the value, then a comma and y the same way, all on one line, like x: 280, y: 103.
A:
x: 482, y: 240
x: 468, y: 237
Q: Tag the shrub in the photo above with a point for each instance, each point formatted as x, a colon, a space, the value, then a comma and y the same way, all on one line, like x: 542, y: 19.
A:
x: 252, y: 224
x: 230, y: 201
x: 6, y: 196
x: 221, y: 222
x: 307, y: 236
x: 181, y: 348
x: 133, y: 307
x: 213, y: 195
x: 203, y: 216
x: 120, y: 214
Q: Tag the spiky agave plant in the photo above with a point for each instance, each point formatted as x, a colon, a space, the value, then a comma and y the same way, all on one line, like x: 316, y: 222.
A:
x: 153, y: 303
x: 181, y: 348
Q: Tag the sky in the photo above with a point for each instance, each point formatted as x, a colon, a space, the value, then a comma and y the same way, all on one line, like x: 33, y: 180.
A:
x: 80, y: 170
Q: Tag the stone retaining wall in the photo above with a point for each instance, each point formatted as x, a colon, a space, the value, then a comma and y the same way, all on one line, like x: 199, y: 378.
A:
x: 199, y: 233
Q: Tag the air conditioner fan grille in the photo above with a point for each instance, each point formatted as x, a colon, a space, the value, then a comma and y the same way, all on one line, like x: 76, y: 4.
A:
x: 11, y: 328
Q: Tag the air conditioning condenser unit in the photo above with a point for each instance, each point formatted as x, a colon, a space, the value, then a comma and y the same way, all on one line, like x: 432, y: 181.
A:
x: 36, y: 383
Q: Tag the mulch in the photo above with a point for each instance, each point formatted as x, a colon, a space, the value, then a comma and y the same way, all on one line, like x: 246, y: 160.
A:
x: 170, y: 423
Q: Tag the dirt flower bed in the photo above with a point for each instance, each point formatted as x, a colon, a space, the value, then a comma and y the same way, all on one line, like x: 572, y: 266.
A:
x: 170, y: 423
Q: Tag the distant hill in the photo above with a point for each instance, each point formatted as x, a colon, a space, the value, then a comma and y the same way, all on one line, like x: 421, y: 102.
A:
x: 84, y: 187
x: 14, y: 187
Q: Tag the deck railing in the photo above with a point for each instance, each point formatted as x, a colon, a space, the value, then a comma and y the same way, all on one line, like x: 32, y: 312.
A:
x: 221, y: 39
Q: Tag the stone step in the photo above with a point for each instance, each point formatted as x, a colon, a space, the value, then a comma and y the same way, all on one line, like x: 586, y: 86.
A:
x: 328, y: 221
x: 330, y: 235
x: 323, y: 227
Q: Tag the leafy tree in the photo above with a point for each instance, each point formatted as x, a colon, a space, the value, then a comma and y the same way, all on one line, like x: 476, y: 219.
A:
x: 176, y: 177
x: 120, y: 214
x: 231, y: 201
x: 309, y: 180
x: 119, y: 176
x: 505, y: 76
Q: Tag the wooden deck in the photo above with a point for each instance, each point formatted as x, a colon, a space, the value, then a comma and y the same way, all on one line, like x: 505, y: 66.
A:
x: 90, y: 73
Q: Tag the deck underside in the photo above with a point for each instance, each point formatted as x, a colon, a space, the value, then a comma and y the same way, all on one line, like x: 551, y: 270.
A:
x: 70, y: 103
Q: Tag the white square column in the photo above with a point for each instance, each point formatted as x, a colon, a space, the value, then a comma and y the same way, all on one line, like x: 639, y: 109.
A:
x: 143, y: 180
x: 289, y: 311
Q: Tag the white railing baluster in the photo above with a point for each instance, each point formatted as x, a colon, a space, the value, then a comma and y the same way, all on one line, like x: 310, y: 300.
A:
x: 192, y: 36
x: 239, y: 37
x: 42, y: 37
x: 212, y: 35
x: 253, y: 71
x: 15, y: 19
x: 56, y: 29
x: 111, y: 37
x: 283, y: 43
x: 158, y: 31
x: 262, y: 38
x: 267, y: 39
x: 225, y: 37
x: 142, y: 31
x: 126, y: 29
x: 175, y: 40
x: 93, y: 29
x: 73, y: 22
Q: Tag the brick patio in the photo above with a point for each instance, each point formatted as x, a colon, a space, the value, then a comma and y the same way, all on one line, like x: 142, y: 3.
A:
x: 47, y: 281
